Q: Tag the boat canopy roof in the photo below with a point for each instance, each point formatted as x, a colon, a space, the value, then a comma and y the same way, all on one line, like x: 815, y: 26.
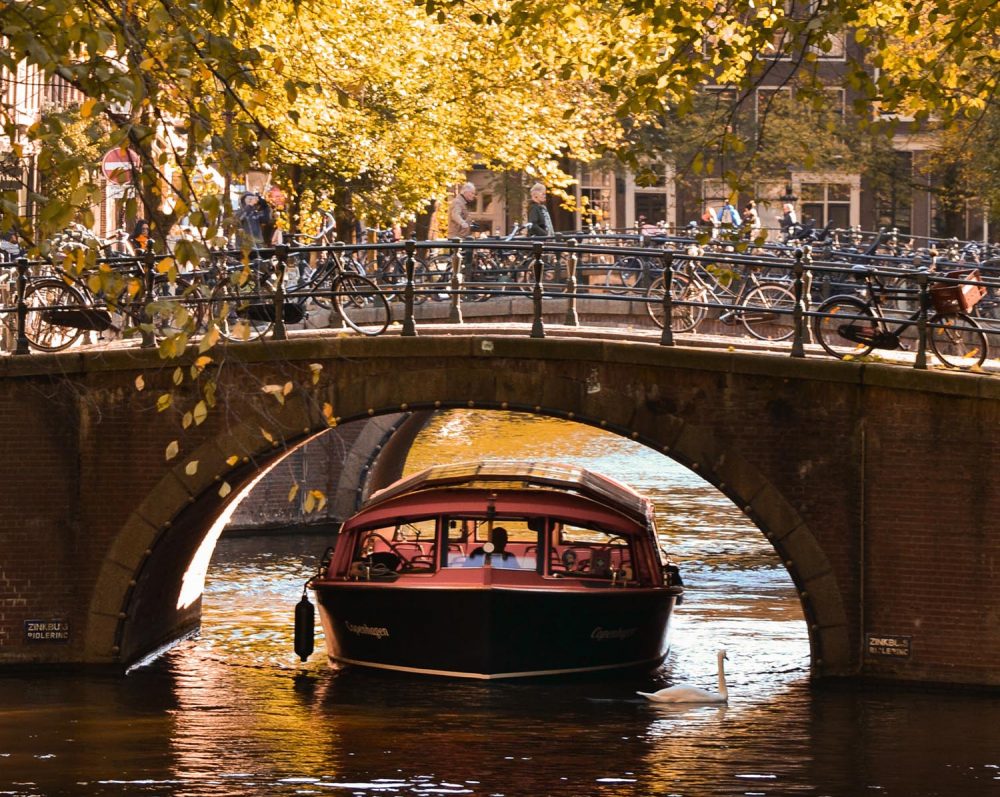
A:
x: 519, y: 475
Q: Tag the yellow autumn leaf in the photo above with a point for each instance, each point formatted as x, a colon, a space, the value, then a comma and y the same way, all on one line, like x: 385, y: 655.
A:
x: 287, y: 389
x: 230, y: 461
x: 178, y: 376
x: 225, y: 490
x: 192, y: 467
x: 172, y: 449
x: 293, y: 492
x: 165, y: 265
x: 163, y: 402
x: 200, y: 413
x: 310, y: 503
x: 140, y: 383
x: 209, y: 339
x: 87, y: 108
x: 316, y: 369
x: 266, y: 435
x: 187, y: 420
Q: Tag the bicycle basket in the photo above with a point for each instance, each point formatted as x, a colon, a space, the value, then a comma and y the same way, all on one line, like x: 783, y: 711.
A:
x: 958, y: 298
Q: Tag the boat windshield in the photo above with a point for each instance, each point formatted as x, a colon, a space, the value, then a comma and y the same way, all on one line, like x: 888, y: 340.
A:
x: 514, y: 543
x: 402, y: 547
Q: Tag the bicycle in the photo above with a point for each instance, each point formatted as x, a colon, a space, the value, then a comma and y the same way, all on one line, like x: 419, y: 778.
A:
x: 955, y: 338
x: 62, y: 306
x: 755, y: 303
x: 243, y: 306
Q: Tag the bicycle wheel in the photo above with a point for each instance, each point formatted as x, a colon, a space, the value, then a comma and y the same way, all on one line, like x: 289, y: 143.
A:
x: 840, y: 332
x: 241, y: 307
x: 954, y: 346
x: 46, y: 324
x: 685, y: 317
x: 175, y: 307
x: 624, y: 275
x: 766, y: 312
x: 438, y: 275
x: 361, y: 305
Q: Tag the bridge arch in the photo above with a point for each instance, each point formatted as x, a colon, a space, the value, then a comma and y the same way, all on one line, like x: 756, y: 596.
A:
x: 162, y: 534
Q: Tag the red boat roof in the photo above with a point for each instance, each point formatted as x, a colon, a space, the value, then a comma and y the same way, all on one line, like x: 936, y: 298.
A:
x: 519, y: 475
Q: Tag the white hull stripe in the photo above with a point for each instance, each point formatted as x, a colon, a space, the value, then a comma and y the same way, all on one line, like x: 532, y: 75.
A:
x: 487, y: 677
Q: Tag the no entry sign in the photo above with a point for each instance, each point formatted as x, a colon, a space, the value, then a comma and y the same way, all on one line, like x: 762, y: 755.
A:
x: 118, y: 164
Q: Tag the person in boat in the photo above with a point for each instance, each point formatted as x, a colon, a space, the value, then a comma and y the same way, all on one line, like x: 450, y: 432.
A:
x: 500, y: 556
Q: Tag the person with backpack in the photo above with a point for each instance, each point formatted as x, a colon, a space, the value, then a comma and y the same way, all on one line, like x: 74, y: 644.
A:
x: 729, y: 216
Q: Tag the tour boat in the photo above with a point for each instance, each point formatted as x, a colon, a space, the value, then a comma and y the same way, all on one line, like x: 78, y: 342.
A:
x: 496, y: 570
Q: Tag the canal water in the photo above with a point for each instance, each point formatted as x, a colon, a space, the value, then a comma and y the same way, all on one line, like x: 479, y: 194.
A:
x: 232, y: 712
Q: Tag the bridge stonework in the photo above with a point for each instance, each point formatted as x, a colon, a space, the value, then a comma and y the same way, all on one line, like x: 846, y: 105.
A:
x: 874, y: 483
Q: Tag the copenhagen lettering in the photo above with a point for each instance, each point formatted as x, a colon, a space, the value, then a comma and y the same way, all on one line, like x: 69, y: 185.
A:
x: 612, y: 633
x: 377, y: 631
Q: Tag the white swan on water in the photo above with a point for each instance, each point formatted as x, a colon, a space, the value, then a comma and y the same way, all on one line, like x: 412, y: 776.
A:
x: 691, y: 694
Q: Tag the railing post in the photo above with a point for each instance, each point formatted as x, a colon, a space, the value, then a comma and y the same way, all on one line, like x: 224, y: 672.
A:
x: 537, y: 330
x: 920, y: 361
x: 572, y: 318
x: 22, y: 346
x: 279, y: 332
x: 799, y: 311
x: 148, y: 271
x: 409, y: 326
x: 455, y: 284
x: 667, y: 336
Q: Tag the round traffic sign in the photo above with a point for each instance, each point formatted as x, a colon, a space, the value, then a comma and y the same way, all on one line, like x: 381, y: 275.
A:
x: 118, y: 164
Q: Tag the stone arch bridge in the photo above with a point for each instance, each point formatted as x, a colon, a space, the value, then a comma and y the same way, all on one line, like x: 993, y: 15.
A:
x: 875, y: 484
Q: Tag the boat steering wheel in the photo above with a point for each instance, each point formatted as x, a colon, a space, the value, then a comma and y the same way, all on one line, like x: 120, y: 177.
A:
x: 404, y: 562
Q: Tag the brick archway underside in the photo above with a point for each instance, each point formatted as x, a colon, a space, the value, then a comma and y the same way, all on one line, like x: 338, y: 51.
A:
x: 159, y: 537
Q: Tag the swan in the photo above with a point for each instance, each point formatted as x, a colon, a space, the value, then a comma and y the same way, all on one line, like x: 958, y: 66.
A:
x: 691, y: 694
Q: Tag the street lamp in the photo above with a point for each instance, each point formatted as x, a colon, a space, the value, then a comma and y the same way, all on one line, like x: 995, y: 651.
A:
x: 256, y: 179
x: 788, y: 196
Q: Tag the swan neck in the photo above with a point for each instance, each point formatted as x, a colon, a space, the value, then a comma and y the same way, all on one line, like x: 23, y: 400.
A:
x: 722, y: 679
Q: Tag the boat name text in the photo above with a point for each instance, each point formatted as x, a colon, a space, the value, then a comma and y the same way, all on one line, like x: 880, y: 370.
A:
x: 377, y: 631
x: 612, y: 633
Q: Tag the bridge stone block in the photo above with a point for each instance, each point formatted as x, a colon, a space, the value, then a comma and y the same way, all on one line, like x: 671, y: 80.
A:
x: 776, y: 516
x: 737, y: 478
x: 130, y: 546
x: 823, y: 596
x: 160, y: 507
x: 807, y: 560
x: 833, y: 654
x: 695, y: 447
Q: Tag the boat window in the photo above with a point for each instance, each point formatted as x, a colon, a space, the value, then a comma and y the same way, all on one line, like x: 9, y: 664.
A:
x: 408, y: 547
x: 466, y: 537
x: 587, y: 552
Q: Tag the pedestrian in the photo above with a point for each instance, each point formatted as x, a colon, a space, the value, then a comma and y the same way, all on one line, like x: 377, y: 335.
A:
x: 709, y: 218
x: 751, y: 218
x: 140, y: 235
x: 459, y: 223
x: 539, y: 220
x: 254, y: 217
x: 729, y: 216
x: 788, y: 219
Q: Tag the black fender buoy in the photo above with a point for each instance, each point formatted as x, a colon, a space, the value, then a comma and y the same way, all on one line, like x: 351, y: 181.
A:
x: 305, y: 628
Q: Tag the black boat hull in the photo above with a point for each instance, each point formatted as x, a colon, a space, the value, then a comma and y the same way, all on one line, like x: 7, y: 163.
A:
x: 495, y: 632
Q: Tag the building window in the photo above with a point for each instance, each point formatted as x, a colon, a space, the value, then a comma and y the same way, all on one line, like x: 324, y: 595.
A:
x: 825, y: 203
x: 768, y: 99
x: 894, y: 195
x: 594, y: 195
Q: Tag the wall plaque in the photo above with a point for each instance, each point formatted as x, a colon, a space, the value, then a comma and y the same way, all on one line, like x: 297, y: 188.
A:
x: 893, y: 646
x: 46, y: 630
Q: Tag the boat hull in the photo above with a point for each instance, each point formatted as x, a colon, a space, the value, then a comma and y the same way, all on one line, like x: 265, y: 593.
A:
x: 494, y: 632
